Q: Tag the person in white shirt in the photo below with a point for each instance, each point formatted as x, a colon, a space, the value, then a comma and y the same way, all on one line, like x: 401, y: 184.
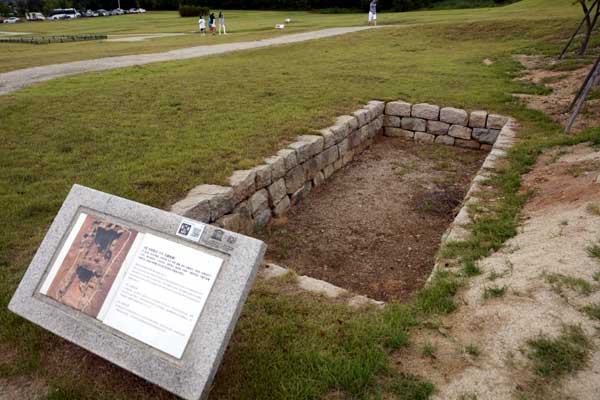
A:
x: 373, y: 13
x: 222, y: 23
x: 202, y: 24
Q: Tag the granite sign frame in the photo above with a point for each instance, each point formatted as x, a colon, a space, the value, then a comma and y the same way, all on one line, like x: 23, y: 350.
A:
x: 191, y: 375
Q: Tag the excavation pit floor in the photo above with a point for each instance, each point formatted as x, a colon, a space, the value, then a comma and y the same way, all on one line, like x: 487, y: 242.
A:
x: 375, y: 226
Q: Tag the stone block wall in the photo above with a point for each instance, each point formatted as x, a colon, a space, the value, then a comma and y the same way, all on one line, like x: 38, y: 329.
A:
x: 429, y: 123
x: 254, y: 196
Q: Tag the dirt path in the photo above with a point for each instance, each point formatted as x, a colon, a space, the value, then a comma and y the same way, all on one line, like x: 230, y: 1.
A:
x: 544, y: 271
x: 15, y: 80
x: 375, y: 227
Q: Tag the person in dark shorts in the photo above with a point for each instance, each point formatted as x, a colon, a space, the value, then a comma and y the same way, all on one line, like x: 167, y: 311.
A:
x: 211, y: 23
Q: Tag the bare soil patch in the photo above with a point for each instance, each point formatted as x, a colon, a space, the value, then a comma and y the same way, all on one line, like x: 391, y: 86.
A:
x: 376, y: 226
x: 558, y: 227
x: 564, y: 85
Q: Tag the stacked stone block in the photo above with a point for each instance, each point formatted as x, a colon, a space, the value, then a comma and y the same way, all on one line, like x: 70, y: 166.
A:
x: 428, y: 123
x: 254, y: 196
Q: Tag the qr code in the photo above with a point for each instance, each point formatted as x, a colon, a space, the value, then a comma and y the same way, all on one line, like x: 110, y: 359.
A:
x: 196, y: 232
x: 184, y: 229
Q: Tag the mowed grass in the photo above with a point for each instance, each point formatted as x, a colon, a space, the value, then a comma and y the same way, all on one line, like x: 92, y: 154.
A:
x: 242, y: 26
x: 151, y: 133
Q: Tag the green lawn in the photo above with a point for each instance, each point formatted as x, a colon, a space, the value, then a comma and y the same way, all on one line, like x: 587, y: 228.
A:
x: 242, y: 25
x: 151, y: 133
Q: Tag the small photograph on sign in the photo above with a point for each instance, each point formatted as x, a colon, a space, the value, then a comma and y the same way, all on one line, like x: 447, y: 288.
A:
x: 84, y: 276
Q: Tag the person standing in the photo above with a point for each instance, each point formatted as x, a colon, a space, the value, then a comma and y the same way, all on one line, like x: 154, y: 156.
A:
x: 222, y: 23
x: 211, y: 23
x: 202, y: 24
x: 373, y: 13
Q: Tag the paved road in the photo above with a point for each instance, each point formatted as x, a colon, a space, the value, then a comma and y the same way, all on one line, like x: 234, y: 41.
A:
x: 15, y: 80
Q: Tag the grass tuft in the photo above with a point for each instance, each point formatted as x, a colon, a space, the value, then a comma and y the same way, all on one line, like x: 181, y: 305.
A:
x: 473, y: 350
x: 438, y: 296
x: 494, y: 292
x: 592, y: 310
x: 410, y: 387
x: 555, y: 357
x: 561, y: 281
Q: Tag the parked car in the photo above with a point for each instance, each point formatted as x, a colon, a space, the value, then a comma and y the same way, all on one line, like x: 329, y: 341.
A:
x: 12, y: 20
x: 66, y: 13
x: 117, y: 11
x: 141, y: 10
x: 102, y: 13
x: 35, y: 16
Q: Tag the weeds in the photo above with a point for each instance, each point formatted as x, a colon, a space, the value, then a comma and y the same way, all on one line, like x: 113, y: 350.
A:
x: 555, y: 357
x: 428, y: 350
x: 593, y: 311
x: 494, y: 291
x: 473, y: 350
x: 561, y: 281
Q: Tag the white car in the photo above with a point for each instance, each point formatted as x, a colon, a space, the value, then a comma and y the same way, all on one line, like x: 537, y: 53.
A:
x: 12, y: 20
x: 67, y: 13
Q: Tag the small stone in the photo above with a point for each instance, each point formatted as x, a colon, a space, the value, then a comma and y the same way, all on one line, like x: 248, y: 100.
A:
x: 478, y: 119
x: 316, y: 143
x: 262, y: 219
x: 277, y: 191
x: 362, y: 116
x: 495, y: 121
x: 437, y: 127
x: 297, y: 196
x: 277, y: 164
x: 258, y: 202
x: 329, y: 156
x: 205, y: 203
x: 246, y: 221
x: 289, y: 158
x: 354, y: 138
x: 414, y: 124
x: 445, y: 139
x: 376, y: 108
x: 321, y: 287
x: 459, y: 131
x: 378, y: 124
x: 264, y: 174
x: 397, y: 132
x: 343, y: 147
x: 243, y: 184
x: 230, y: 222
x: 487, y: 136
x: 398, y: 108
x: 328, y: 171
x: 423, y: 137
x: 391, y: 121
x: 328, y: 137
x: 312, y: 167
x: 453, y: 115
x: 425, y: 111
x: 302, y: 149
x: 338, y: 164
x: 468, y: 144
x: 348, y: 157
x: 282, y: 207
x: 294, y: 179
x: 319, y: 179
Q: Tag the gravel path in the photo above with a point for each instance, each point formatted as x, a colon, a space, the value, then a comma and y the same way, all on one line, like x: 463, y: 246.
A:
x: 15, y: 80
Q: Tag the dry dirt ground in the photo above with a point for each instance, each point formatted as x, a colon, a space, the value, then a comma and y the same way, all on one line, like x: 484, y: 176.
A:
x: 376, y: 226
x: 561, y: 220
x: 564, y: 85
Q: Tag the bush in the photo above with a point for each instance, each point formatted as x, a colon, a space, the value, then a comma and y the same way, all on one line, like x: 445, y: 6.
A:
x: 193, y: 11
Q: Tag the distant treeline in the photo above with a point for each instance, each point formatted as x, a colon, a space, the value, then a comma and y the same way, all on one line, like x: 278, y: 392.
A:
x: 22, y: 6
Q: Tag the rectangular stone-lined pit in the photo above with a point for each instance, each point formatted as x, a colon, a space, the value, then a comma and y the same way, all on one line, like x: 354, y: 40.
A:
x: 271, y: 189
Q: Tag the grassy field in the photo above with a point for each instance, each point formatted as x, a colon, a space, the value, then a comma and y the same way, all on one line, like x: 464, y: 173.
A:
x: 242, y: 25
x: 151, y: 133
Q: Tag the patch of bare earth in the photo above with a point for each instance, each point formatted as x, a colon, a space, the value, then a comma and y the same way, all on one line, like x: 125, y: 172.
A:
x: 557, y: 229
x: 564, y: 85
x: 375, y: 227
